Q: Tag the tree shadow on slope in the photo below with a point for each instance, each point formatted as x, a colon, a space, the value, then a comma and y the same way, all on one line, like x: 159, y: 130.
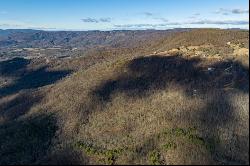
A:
x: 147, y: 74
x: 13, y: 108
x: 27, y: 140
x: 156, y: 72
x: 222, y: 129
x: 13, y: 67
x: 27, y: 79
x: 66, y: 156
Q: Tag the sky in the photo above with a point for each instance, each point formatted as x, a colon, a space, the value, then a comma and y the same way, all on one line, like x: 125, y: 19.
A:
x: 123, y: 14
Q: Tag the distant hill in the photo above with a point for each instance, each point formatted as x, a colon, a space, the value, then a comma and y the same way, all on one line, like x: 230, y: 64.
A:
x: 80, y: 39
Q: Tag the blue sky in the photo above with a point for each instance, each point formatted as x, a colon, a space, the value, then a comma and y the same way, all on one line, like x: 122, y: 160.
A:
x: 123, y: 14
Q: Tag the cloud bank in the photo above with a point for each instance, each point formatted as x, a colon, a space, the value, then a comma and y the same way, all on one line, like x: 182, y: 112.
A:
x: 199, y: 22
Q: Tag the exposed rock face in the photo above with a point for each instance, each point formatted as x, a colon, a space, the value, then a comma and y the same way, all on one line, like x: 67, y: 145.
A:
x: 193, y: 48
x: 241, y: 52
x: 183, y: 49
x: 208, y: 51
x: 190, y: 51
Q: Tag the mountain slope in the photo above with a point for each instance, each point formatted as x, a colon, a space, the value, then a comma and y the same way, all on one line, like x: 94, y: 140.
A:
x: 148, y: 106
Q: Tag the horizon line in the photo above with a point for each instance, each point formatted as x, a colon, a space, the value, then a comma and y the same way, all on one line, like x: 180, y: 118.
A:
x: 82, y: 30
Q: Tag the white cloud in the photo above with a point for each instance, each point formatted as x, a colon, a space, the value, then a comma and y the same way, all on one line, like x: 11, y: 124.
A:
x: 154, y: 16
x: 240, y: 11
x: 148, y: 14
x: 232, y: 11
x: 95, y: 20
x: 223, y: 22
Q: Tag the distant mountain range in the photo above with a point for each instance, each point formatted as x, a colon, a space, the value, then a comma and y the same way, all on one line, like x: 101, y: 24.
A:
x: 81, y: 39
